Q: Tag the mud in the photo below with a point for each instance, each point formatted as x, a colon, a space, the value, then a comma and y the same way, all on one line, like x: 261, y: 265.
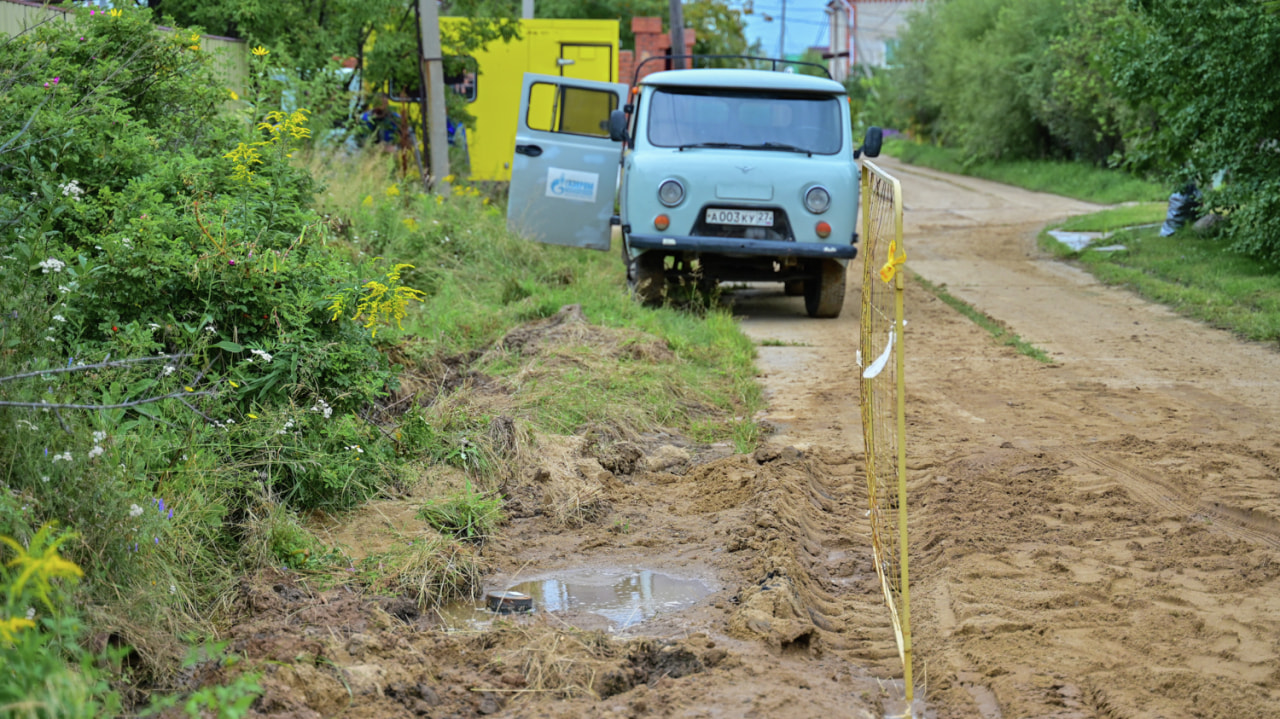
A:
x: 1097, y: 537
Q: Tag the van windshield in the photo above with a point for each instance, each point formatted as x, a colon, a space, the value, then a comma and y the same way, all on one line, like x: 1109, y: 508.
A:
x: 747, y: 119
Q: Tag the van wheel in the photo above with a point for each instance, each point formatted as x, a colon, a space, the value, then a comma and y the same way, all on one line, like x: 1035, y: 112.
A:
x: 793, y: 288
x: 646, y: 278
x: 824, y: 294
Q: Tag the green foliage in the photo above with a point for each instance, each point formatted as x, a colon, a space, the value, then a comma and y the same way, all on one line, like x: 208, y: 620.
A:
x: 1183, y: 90
x: 1207, y: 70
x: 466, y: 514
x: 43, y: 670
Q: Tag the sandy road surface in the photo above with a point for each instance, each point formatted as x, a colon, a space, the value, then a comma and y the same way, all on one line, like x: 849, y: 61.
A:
x: 1099, y: 537
x: 1096, y: 537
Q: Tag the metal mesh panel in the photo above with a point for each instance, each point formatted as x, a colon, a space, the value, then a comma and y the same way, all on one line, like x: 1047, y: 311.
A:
x: 882, y: 394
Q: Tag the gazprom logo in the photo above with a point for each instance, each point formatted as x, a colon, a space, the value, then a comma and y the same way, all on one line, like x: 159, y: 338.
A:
x: 572, y: 185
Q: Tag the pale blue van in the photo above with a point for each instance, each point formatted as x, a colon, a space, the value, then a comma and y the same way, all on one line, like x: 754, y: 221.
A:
x: 727, y: 175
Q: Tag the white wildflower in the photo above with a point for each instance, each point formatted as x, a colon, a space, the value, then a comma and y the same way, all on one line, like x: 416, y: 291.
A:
x: 168, y: 370
x: 59, y: 318
x: 31, y: 613
x: 99, y: 436
x: 72, y: 189
x: 64, y: 457
x: 126, y: 242
x: 264, y: 355
x: 154, y: 326
x: 211, y: 329
x: 135, y: 510
x: 323, y: 408
x: 45, y: 479
x: 95, y: 451
x: 173, y: 589
x: 64, y: 289
x: 52, y: 264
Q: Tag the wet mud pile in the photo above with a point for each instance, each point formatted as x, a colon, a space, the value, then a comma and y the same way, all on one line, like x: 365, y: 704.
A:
x: 793, y: 628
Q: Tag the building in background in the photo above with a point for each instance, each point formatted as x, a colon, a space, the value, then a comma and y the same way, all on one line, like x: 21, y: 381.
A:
x: 863, y: 32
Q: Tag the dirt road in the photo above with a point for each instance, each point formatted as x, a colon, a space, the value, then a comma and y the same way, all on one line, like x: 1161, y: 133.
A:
x: 1098, y: 537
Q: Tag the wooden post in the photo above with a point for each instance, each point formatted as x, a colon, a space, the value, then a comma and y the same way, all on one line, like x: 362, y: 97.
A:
x: 677, y: 33
x: 437, y: 116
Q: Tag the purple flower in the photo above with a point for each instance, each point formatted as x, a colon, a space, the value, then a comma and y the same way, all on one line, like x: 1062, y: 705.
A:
x: 160, y: 504
x: 231, y: 262
x: 170, y: 513
x: 157, y: 540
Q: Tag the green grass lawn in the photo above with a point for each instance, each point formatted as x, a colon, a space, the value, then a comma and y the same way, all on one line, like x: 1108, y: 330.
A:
x: 1194, y: 275
x: 1070, y: 179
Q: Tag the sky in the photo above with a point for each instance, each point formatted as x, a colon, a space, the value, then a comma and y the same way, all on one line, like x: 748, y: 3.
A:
x: 806, y: 25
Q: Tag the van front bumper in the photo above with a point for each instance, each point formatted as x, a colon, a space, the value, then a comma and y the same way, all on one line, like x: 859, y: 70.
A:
x: 734, y: 246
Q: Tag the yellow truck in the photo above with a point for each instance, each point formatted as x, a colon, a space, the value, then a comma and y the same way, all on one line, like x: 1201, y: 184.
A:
x: 581, y: 49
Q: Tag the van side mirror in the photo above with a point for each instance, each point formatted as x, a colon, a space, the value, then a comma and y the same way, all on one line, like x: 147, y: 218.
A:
x: 618, y: 126
x: 870, y: 143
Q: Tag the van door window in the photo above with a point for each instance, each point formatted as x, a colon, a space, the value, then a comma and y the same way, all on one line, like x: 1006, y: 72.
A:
x: 570, y: 110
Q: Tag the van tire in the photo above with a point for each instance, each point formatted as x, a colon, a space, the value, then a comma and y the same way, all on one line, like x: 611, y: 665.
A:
x: 824, y: 294
x: 646, y: 278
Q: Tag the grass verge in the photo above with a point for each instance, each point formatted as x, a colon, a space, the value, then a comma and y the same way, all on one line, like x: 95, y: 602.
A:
x: 1001, y: 333
x: 1193, y: 274
x: 1070, y: 179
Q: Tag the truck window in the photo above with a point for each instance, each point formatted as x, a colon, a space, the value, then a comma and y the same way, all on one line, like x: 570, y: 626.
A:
x: 679, y: 117
x: 571, y: 110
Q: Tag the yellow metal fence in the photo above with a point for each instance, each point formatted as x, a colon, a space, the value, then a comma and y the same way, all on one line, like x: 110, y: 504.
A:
x: 882, y: 359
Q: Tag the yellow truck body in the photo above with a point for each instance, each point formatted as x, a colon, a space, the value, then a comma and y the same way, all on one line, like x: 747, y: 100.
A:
x: 586, y: 49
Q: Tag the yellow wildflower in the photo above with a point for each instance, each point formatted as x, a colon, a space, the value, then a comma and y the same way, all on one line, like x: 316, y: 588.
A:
x: 448, y: 178
x: 393, y: 191
x: 260, y: 51
x: 252, y: 415
x: 368, y: 201
x: 114, y: 13
x: 410, y: 223
x: 9, y: 628
x: 234, y: 96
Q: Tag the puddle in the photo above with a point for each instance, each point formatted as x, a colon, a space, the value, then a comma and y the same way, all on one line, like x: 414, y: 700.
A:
x: 623, y: 598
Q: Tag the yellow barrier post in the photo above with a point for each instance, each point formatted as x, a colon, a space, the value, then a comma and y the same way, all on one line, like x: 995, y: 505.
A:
x: 884, y: 425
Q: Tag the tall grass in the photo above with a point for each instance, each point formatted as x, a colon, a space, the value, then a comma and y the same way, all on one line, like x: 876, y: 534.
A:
x: 693, y: 371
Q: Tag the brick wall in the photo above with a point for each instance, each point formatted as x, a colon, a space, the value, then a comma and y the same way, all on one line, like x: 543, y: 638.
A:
x: 650, y: 42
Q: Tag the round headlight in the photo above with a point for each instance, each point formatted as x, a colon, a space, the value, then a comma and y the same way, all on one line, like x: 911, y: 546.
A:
x: 817, y: 200
x: 671, y: 193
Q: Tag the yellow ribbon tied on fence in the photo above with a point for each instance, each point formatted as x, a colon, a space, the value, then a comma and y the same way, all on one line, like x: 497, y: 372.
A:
x: 891, y: 265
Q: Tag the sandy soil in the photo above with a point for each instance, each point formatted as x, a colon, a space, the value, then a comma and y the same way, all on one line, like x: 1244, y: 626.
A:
x: 1098, y: 537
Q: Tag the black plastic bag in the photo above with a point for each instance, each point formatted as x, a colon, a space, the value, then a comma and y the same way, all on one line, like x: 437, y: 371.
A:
x: 1183, y: 207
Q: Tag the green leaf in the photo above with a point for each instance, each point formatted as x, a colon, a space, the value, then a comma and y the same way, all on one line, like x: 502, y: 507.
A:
x: 229, y: 346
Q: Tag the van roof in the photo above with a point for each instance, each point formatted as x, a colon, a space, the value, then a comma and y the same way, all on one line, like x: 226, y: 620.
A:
x: 744, y: 80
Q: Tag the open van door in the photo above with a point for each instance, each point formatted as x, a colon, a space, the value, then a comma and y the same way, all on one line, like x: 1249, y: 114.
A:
x: 565, y: 171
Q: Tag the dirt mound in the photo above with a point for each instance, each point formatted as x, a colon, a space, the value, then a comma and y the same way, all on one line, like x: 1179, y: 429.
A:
x: 340, y: 653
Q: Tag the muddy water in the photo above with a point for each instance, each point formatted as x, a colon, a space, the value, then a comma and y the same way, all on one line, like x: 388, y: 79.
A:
x: 623, y: 598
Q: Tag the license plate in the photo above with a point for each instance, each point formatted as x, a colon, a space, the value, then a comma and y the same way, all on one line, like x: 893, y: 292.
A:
x: 754, y: 218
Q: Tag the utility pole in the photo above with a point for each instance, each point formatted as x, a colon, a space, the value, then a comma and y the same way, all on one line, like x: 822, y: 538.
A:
x: 437, y: 116
x: 526, y: 9
x: 782, y: 32
x: 677, y: 33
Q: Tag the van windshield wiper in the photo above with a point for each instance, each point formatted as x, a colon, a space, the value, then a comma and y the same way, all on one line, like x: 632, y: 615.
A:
x: 781, y: 146
x: 717, y: 145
